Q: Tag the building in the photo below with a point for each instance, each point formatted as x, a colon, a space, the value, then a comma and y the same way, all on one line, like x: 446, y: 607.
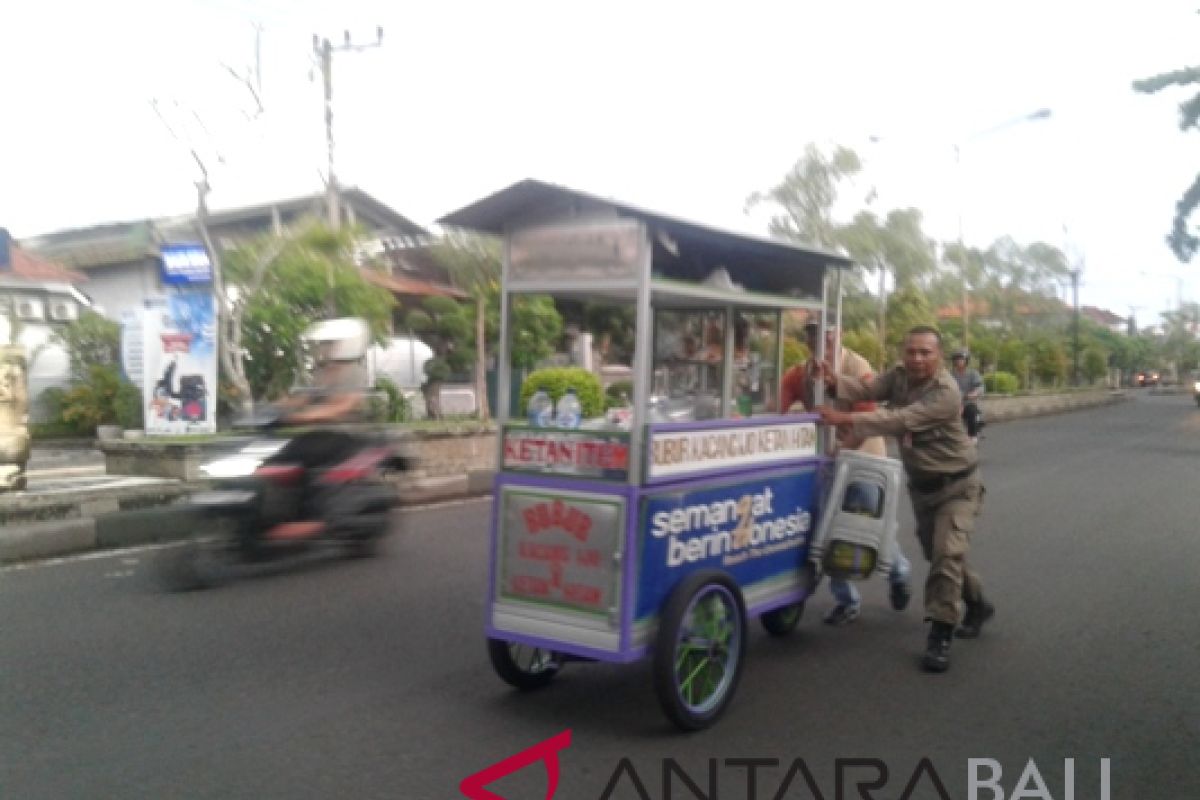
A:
x: 1105, y: 319
x: 123, y: 261
x: 37, y: 299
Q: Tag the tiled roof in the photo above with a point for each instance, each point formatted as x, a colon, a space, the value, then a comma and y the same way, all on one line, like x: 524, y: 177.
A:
x: 27, y: 266
x: 412, y: 287
x: 1101, y: 315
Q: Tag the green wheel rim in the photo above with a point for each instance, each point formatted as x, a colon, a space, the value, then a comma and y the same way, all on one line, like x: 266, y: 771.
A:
x: 707, y: 650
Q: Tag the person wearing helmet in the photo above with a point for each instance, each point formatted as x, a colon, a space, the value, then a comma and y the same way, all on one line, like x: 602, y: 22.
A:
x: 334, y: 396
x: 970, y: 385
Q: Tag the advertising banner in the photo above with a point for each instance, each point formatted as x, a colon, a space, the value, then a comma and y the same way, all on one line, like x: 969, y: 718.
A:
x: 577, y: 454
x: 754, y: 530
x: 608, y: 251
x: 179, y: 358
x: 557, y: 549
x: 675, y: 453
x: 185, y: 264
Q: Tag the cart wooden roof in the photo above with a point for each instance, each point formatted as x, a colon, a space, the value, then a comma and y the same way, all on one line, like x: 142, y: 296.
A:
x: 530, y: 201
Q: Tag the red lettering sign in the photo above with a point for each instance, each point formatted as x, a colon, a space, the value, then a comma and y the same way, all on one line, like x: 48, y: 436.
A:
x: 557, y: 514
x: 581, y: 593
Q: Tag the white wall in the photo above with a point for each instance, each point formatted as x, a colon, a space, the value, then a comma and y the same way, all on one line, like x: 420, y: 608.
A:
x: 122, y: 287
x: 48, y: 363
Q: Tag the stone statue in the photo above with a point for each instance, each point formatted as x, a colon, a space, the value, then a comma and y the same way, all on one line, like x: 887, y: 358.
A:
x: 14, y: 418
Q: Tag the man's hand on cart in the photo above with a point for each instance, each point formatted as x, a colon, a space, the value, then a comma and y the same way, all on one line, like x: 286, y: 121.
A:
x: 844, y: 421
x: 831, y: 416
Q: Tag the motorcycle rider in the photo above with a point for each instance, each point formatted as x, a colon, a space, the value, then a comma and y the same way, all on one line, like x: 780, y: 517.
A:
x: 336, y: 396
x: 970, y: 385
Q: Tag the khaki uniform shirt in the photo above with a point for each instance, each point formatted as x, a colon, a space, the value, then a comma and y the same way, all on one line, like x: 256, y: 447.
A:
x: 924, y: 416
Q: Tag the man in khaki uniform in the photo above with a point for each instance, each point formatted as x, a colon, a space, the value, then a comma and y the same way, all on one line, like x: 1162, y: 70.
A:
x: 943, y: 478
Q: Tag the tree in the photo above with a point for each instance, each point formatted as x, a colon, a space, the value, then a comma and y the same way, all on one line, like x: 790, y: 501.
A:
x: 91, y: 340
x: 284, y: 284
x: 1013, y: 357
x: 906, y: 309
x: 807, y: 195
x: 1179, y: 343
x: 1182, y: 242
x: 447, y: 328
x: 230, y: 353
x: 898, y: 246
x: 1049, y: 362
x: 474, y: 264
x: 536, y: 328
x: 1095, y: 364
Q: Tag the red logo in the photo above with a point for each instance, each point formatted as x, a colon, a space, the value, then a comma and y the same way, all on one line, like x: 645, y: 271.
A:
x: 557, y: 514
x: 472, y: 786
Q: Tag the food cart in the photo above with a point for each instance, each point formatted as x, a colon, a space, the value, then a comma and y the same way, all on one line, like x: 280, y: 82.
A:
x: 658, y: 527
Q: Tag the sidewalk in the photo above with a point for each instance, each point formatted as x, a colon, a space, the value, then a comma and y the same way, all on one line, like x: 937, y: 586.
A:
x: 72, y: 506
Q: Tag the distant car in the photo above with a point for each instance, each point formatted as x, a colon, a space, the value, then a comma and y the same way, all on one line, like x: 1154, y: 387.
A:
x: 1147, y: 378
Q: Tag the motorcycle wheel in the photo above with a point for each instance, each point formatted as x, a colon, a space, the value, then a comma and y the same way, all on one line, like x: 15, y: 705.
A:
x: 201, y: 562
x: 366, y: 544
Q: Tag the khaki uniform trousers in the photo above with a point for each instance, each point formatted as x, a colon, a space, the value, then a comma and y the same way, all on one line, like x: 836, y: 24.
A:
x: 945, y: 520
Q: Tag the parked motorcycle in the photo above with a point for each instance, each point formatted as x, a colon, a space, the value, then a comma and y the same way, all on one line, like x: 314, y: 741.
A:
x: 261, y: 508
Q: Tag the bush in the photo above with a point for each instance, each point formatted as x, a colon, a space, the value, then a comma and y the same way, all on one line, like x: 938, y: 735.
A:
x: 1001, y: 383
x: 128, y: 407
x: 395, y: 405
x: 93, y: 402
x: 618, y: 394
x: 555, y: 381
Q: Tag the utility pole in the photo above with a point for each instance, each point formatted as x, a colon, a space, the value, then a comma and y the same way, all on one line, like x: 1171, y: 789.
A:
x: 323, y: 50
x: 1075, y: 327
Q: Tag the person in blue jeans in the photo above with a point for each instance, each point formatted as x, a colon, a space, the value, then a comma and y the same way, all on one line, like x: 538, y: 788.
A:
x: 849, y: 601
x: 798, y: 385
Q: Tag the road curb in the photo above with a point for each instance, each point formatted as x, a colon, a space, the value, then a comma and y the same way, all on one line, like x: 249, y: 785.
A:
x: 49, y: 539
x: 102, y: 522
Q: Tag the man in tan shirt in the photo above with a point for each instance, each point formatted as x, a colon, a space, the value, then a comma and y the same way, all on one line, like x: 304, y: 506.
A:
x: 851, y: 364
x: 944, y: 484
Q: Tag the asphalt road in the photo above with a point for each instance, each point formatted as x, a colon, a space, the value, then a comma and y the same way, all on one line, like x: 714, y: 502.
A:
x: 368, y: 679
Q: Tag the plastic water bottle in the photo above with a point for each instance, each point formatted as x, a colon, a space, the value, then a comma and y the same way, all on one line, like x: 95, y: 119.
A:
x: 541, y: 410
x: 569, y: 410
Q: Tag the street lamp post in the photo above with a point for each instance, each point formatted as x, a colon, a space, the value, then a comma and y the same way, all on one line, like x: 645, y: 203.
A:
x: 1041, y: 113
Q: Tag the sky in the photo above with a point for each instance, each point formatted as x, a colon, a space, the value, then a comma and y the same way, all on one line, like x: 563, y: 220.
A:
x: 686, y: 108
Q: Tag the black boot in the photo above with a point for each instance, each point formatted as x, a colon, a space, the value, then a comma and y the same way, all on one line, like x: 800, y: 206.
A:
x: 978, y: 613
x: 937, y: 648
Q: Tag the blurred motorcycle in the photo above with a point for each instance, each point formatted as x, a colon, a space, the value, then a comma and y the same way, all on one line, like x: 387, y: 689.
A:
x: 260, y: 507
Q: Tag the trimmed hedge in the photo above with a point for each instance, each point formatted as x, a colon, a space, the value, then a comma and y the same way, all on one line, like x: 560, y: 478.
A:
x: 1001, y: 383
x: 555, y: 381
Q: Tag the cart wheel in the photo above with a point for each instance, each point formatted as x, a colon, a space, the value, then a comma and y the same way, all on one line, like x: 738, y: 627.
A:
x: 782, y: 621
x: 699, y: 649
x: 523, y: 666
